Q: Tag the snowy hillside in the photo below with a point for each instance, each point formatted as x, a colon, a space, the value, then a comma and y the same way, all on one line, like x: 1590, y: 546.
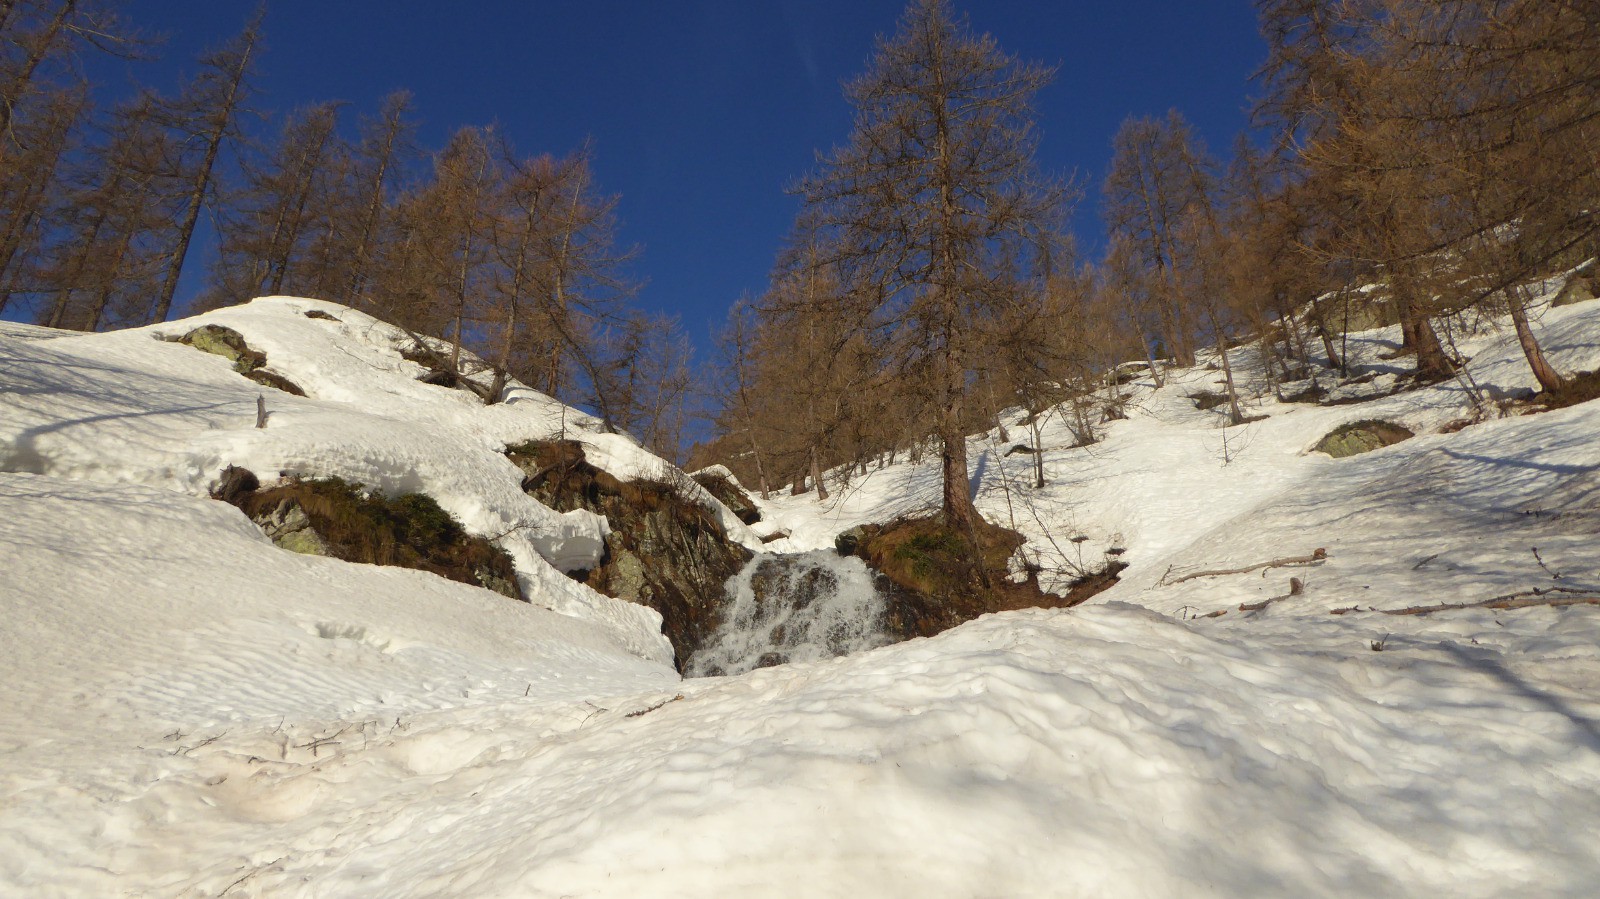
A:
x: 186, y: 709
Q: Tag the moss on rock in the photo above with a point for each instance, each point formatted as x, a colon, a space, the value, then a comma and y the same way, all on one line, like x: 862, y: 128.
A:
x: 227, y: 343
x: 934, y: 581
x: 1360, y: 437
x: 332, y: 517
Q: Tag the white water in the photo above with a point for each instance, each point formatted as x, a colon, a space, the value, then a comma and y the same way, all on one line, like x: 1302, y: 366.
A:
x: 794, y: 608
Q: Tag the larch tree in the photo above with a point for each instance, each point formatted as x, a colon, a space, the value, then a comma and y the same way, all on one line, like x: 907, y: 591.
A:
x: 206, y: 114
x: 267, y: 229
x: 936, y: 185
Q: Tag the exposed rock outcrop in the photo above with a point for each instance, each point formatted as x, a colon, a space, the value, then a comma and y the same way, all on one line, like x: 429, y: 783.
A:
x: 230, y: 345
x: 1360, y: 437
x: 338, y: 519
x: 227, y: 343
x: 720, y: 483
x: 933, y: 583
x: 665, y: 551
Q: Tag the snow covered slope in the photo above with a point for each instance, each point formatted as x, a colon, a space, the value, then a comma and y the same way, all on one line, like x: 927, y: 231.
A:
x: 186, y: 710
x: 131, y: 407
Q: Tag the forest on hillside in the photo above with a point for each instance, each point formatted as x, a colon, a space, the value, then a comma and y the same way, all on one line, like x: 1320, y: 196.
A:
x: 1410, y: 161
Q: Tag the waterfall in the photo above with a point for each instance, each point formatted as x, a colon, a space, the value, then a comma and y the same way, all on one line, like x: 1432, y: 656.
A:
x: 794, y: 608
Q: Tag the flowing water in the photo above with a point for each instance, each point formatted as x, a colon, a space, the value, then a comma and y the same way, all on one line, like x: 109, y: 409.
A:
x: 794, y: 608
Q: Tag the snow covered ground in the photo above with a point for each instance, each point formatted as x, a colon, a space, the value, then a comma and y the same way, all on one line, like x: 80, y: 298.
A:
x: 186, y: 710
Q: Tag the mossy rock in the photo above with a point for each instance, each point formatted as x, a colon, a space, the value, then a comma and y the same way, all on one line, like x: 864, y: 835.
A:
x: 933, y: 580
x: 227, y: 343
x: 332, y: 517
x: 1362, y: 437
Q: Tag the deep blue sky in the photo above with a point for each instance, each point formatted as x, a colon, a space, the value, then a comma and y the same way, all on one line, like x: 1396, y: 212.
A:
x: 702, y: 111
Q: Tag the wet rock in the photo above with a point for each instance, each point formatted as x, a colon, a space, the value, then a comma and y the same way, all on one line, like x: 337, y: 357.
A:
x: 849, y: 542
x: 227, y: 343
x: 1360, y: 437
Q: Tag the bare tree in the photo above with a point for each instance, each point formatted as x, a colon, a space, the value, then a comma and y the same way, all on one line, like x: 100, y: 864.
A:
x: 206, y: 113
x: 935, y: 186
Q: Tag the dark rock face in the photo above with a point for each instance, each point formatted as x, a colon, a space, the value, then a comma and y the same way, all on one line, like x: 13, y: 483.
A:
x: 1362, y: 437
x: 664, y: 551
x: 337, y: 519
x: 729, y: 494
x: 933, y: 582
x: 275, y: 381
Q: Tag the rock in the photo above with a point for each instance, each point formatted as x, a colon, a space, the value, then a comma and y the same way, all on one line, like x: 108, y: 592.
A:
x: 275, y: 381
x: 288, y: 526
x: 227, y: 343
x: 338, y: 519
x: 720, y: 483
x: 847, y: 543
x: 1360, y: 437
x: 1579, y: 288
x: 665, y: 550
x: 932, y: 582
x: 234, y: 484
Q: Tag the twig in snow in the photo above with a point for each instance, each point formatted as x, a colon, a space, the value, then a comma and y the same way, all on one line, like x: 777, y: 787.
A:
x: 1418, y: 566
x: 200, y: 745
x: 1296, y: 587
x: 638, y: 712
x: 1569, y: 596
x: 1554, y: 575
x: 1317, y: 557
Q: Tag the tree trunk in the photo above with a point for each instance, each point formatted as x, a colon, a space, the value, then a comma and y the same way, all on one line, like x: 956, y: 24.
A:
x: 816, y: 476
x: 1320, y: 323
x: 191, y: 216
x: 1549, y: 379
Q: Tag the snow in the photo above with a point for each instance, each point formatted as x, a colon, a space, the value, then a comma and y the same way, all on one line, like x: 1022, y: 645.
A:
x: 187, y: 710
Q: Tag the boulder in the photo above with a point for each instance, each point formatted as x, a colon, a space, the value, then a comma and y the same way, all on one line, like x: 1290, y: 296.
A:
x: 1360, y: 437
x: 227, y: 343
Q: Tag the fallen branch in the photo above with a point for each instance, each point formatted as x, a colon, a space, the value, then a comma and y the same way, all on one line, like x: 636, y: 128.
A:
x: 639, y: 712
x: 1317, y: 557
x: 1569, y: 596
x: 1296, y: 587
